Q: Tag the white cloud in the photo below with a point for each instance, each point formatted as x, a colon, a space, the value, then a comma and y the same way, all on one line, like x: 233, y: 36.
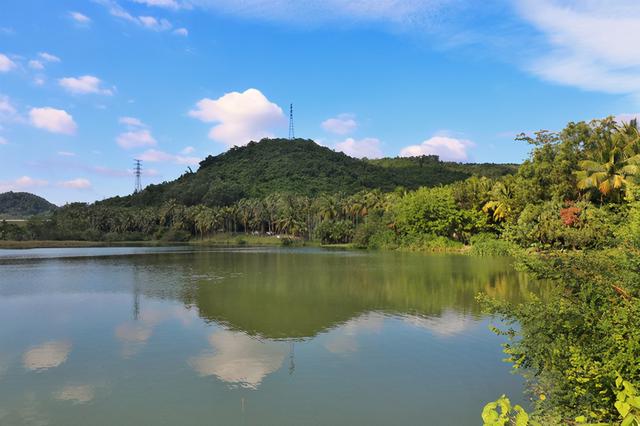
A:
x: 589, y: 44
x: 148, y: 22
x: 53, y: 120
x: 45, y: 356
x: 22, y: 183
x: 80, y: 18
x: 187, y: 150
x: 447, y: 148
x: 181, y: 32
x: 36, y: 65
x: 154, y: 24
x: 156, y: 156
x: 131, y: 122
x: 343, y: 124
x: 241, y: 117
x: 136, y: 139
x: 167, y: 4
x: 66, y: 154
x: 86, y: 84
x: 48, y: 57
x: 367, y: 147
x: 3, y: 141
x: 7, y: 110
x: 39, y: 81
x: 627, y: 117
x: 6, y: 64
x: 79, y: 183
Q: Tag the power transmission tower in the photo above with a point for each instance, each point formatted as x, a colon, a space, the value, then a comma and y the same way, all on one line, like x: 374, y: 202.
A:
x: 137, y: 170
x: 291, y: 132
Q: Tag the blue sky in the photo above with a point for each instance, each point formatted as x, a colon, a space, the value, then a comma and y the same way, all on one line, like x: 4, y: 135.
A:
x: 87, y: 86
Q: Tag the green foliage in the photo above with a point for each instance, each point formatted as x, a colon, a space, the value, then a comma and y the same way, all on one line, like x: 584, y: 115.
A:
x: 17, y: 205
x: 614, y: 166
x: 555, y: 225
x: 489, y: 245
x: 627, y: 403
x: 175, y: 235
x: 501, y: 413
x: 11, y: 231
x: 573, y: 344
x: 629, y: 230
x: 375, y: 233
x: 299, y: 167
x: 433, y: 211
x: 329, y: 232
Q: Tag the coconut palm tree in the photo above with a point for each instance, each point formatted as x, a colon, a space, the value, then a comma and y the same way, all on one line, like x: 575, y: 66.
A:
x: 499, y: 204
x: 615, y: 166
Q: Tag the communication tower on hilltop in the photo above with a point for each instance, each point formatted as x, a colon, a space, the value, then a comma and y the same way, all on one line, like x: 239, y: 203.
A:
x: 291, y: 132
x: 137, y: 170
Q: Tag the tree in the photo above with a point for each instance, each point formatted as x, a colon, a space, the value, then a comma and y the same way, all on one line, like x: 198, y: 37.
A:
x: 614, y: 165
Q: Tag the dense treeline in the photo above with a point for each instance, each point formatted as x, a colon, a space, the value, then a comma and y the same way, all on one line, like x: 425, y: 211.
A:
x: 299, y: 167
x: 23, y: 204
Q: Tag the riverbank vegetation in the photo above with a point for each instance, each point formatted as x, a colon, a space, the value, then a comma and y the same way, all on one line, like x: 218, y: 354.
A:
x: 579, y: 347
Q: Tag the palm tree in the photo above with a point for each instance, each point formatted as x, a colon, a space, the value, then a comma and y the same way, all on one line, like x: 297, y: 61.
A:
x: 499, y: 205
x: 615, y: 166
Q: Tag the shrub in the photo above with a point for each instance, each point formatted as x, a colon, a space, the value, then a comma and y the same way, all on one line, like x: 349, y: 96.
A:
x: 334, y: 232
x: 374, y: 233
x: 489, y: 245
x: 176, y: 235
x: 629, y: 230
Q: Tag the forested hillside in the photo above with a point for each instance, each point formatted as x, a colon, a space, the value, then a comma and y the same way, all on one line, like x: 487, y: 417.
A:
x: 15, y: 205
x: 300, y: 167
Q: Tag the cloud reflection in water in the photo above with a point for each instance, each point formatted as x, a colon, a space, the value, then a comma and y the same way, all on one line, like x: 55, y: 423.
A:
x: 239, y: 359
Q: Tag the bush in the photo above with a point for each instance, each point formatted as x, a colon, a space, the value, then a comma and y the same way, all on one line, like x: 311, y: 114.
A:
x: 335, y: 232
x: 490, y: 245
x: 629, y: 230
x: 555, y: 225
x: 433, y: 211
x: 374, y: 233
x: 176, y: 235
x: 430, y: 242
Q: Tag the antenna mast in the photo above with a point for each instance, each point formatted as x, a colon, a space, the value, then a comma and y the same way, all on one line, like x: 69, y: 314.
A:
x: 137, y: 170
x: 291, y: 132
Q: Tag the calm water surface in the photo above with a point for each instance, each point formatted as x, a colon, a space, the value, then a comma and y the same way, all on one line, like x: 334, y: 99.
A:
x: 177, y: 336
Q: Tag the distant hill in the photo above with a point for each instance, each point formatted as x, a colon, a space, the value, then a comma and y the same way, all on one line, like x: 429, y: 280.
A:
x: 16, y: 205
x: 303, y: 167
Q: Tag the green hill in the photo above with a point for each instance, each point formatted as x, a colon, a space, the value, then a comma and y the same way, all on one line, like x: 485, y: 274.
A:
x: 16, y: 205
x: 303, y: 167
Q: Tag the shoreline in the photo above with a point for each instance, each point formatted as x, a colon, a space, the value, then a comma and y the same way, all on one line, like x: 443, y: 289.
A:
x: 237, y: 240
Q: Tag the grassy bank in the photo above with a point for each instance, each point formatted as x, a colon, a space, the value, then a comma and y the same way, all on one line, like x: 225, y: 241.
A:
x: 484, y: 245
x: 71, y: 244
x: 229, y: 239
x: 220, y: 240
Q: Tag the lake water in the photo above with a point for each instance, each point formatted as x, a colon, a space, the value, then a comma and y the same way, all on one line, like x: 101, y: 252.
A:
x: 183, y: 336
